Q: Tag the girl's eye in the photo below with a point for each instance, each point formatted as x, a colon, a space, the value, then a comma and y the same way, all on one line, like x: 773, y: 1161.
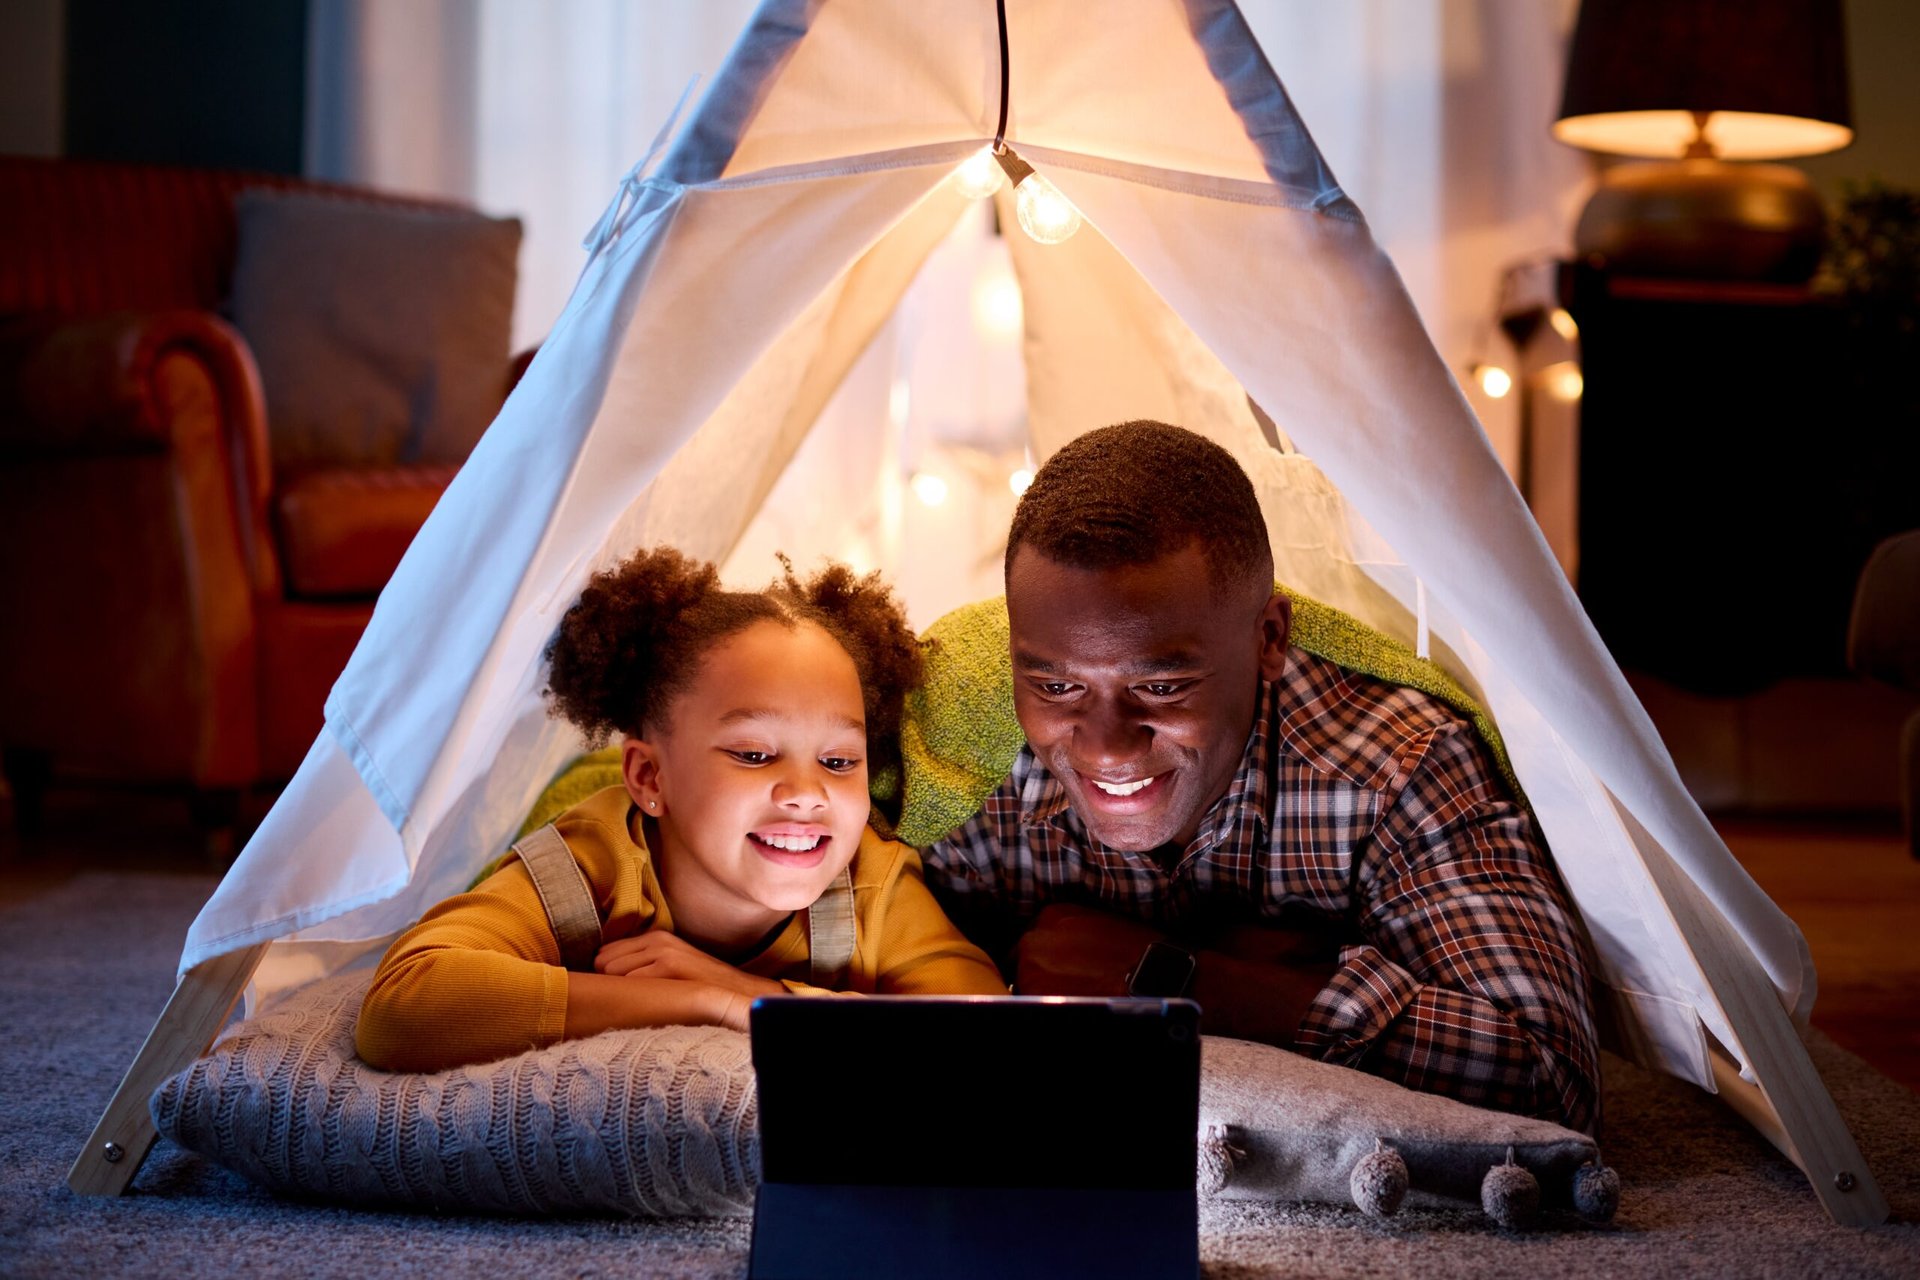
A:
x: 840, y: 764
x: 751, y: 757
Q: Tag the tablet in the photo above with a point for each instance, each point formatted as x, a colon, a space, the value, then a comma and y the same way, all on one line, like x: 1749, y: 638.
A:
x: 916, y: 1136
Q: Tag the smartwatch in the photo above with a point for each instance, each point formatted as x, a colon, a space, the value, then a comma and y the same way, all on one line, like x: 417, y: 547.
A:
x: 1163, y: 970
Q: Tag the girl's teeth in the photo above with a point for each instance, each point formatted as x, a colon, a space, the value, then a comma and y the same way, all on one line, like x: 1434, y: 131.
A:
x: 1124, y: 788
x: 792, y: 844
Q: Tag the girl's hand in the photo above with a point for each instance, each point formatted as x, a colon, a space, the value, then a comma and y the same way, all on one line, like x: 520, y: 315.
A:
x: 659, y: 954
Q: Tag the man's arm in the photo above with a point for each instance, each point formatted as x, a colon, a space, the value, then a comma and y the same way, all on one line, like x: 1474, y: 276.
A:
x: 1472, y: 978
x: 1254, y: 983
x: 967, y: 874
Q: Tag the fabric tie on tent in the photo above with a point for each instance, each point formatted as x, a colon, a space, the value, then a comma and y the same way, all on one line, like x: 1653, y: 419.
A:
x: 610, y: 224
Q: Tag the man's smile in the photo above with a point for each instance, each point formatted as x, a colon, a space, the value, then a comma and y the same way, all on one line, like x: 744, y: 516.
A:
x: 1123, y: 788
x: 1125, y: 798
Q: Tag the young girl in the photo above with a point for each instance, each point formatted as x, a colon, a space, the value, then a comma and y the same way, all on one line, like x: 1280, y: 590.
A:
x: 750, y: 722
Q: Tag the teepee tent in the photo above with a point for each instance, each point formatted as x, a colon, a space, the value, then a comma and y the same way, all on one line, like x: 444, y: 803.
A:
x: 1222, y: 281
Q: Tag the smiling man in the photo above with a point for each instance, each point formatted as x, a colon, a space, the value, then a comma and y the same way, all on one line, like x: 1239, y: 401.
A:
x: 1336, y: 853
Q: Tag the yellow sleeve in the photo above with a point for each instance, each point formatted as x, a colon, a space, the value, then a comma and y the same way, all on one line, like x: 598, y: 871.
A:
x: 917, y: 950
x: 478, y: 979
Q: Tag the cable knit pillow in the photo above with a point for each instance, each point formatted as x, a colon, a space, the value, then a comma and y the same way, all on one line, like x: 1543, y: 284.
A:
x: 656, y: 1123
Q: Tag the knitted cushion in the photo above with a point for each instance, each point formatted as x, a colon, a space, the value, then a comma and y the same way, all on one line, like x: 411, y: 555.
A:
x: 655, y: 1123
x: 1277, y: 1126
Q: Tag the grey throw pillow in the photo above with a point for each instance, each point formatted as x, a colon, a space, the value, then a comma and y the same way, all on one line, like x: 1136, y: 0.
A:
x: 1277, y: 1126
x: 381, y: 331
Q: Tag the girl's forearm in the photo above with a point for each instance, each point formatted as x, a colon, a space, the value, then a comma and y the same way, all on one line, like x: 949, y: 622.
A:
x: 599, y: 1002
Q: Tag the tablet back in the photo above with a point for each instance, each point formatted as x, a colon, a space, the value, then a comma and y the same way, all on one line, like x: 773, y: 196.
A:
x: 969, y: 1136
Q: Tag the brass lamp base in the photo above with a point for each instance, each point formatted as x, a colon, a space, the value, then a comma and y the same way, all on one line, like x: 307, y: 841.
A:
x: 1704, y: 219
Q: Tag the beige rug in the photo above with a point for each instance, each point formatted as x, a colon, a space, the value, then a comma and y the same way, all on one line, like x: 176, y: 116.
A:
x: 86, y: 965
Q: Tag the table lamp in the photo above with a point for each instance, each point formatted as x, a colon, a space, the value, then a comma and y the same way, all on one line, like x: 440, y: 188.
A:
x: 1707, y: 87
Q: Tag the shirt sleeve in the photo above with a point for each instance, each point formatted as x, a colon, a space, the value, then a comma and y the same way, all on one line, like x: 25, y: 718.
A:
x: 968, y: 875
x: 1472, y: 976
x: 918, y: 950
x: 478, y: 979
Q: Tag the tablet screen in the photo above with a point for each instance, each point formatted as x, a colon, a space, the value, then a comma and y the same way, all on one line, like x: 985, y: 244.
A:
x: 978, y: 1091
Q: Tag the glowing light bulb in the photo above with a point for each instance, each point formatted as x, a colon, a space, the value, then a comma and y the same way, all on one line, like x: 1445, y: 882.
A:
x: 929, y: 488
x: 1493, y: 380
x: 980, y: 175
x: 1020, y: 481
x: 1562, y: 321
x: 1565, y: 381
x: 1047, y: 216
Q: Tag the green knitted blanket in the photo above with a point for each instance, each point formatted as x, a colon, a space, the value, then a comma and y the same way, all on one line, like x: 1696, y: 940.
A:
x: 959, y: 736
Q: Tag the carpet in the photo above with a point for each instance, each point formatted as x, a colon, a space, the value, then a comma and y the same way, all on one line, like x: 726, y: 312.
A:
x: 86, y: 964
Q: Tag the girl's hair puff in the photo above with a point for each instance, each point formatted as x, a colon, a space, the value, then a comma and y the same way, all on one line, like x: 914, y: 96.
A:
x: 634, y: 641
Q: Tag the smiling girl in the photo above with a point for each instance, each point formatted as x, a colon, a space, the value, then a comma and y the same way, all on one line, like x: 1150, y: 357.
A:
x: 750, y: 723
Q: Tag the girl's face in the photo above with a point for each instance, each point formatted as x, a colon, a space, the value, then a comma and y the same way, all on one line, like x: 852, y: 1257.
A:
x: 757, y: 784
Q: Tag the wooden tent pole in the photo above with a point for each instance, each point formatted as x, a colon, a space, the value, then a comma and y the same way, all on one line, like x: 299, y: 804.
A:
x: 196, y: 1011
x: 1789, y: 1105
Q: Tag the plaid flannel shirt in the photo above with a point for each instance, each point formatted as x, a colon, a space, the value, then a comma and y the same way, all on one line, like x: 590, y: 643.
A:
x: 1365, y: 804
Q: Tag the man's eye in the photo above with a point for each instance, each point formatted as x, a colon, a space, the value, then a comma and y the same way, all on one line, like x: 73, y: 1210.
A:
x: 840, y: 764
x: 751, y: 757
x: 1160, y: 689
x: 1055, y: 688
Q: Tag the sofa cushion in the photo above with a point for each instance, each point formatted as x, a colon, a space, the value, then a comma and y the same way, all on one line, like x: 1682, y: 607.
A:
x: 342, y: 530
x: 381, y: 332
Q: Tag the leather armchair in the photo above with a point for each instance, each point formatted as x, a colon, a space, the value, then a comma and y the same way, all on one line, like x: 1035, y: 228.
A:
x: 1883, y: 644
x: 175, y: 611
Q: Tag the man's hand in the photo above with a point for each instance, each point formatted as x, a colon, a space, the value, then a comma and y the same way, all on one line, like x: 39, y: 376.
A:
x: 659, y: 954
x: 1255, y: 983
x: 1079, y: 951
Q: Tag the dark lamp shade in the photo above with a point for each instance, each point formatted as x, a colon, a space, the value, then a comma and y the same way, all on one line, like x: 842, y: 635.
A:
x: 1773, y: 73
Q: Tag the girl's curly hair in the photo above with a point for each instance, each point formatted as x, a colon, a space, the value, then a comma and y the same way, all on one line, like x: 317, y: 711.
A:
x: 634, y: 641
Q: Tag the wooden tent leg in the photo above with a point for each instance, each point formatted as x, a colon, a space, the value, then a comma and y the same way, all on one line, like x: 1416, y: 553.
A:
x: 1790, y: 1106
x: 194, y: 1014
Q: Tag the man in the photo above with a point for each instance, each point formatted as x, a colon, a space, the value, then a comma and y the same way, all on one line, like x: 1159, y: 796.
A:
x: 1188, y: 773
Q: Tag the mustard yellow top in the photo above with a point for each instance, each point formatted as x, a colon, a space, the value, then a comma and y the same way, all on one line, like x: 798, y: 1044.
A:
x: 479, y: 977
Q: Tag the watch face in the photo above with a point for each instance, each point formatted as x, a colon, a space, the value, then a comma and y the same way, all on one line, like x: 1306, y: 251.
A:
x: 1164, y: 970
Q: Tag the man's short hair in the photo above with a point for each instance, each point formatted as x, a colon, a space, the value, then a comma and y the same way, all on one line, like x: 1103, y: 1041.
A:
x: 1131, y: 493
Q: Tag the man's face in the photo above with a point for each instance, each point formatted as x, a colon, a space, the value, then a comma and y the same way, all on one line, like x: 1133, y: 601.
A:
x: 1136, y: 685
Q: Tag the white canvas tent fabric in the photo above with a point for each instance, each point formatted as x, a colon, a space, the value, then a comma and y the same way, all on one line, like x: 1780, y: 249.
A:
x: 1221, y: 267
